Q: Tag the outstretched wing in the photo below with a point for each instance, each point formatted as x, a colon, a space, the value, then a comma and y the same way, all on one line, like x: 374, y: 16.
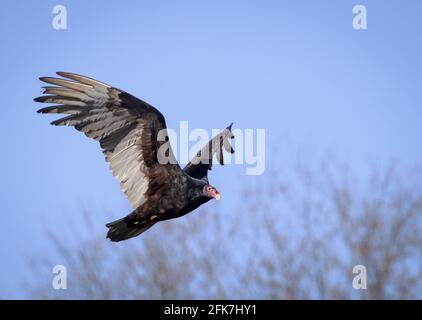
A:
x: 126, y: 127
x: 198, y: 167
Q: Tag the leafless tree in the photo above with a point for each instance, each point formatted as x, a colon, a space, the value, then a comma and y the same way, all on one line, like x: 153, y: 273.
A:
x: 295, y: 234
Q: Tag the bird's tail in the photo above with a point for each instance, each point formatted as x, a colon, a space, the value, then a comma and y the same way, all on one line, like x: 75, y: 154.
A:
x: 126, y: 228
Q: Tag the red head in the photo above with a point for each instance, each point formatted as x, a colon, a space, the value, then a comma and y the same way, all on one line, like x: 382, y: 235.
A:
x: 211, y: 192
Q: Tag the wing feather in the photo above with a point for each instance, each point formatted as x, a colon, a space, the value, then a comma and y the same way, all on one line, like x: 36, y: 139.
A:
x: 125, y: 126
x: 200, y: 164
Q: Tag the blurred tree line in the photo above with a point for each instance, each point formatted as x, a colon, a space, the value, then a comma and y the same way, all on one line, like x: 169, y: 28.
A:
x: 295, y: 234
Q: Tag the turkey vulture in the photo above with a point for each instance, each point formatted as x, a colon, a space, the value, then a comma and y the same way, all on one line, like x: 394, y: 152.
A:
x: 128, y: 130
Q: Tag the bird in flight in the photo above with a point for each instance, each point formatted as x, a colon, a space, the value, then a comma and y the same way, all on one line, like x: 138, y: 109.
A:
x: 133, y: 138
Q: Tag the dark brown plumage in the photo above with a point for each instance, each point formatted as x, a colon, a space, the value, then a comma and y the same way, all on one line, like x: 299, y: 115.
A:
x: 130, y: 132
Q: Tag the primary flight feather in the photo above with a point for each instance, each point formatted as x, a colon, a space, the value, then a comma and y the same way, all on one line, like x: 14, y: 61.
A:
x: 130, y: 133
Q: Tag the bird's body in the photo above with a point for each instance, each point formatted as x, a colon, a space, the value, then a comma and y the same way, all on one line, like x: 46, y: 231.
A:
x: 133, y: 137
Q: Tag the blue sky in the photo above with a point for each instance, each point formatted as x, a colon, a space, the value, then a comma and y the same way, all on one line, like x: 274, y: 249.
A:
x: 295, y: 68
